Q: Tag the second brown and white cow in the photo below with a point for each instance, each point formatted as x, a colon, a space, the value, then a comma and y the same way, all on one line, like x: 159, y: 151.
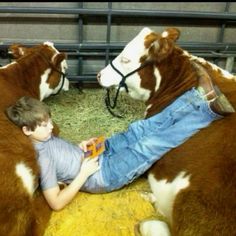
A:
x: 193, y: 185
x: 54, y: 78
x: 39, y: 73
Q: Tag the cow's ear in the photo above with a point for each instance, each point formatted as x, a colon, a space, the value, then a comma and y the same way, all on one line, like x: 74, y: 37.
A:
x: 59, y: 58
x: 171, y: 33
x: 16, y: 50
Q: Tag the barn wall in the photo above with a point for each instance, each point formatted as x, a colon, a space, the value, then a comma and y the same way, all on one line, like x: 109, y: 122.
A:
x: 70, y: 31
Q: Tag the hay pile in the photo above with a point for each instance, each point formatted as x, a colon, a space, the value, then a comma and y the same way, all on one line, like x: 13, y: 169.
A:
x: 81, y: 115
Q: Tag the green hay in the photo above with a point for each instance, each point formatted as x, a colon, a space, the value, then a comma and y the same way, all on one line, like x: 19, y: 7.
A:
x: 82, y: 115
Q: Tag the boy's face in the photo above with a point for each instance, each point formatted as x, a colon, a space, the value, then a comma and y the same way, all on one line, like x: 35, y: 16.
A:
x: 42, y: 132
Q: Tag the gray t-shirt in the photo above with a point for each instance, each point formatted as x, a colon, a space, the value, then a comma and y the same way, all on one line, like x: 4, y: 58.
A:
x: 59, y: 160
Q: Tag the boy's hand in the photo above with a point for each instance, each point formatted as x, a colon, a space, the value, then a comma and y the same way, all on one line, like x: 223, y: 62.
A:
x: 89, y: 166
x: 84, y: 144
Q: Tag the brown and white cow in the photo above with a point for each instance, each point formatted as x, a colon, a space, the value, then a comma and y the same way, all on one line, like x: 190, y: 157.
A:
x: 50, y: 81
x: 193, y: 185
x: 39, y: 73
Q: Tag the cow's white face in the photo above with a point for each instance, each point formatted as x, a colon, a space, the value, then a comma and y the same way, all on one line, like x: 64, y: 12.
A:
x: 127, y: 61
x: 45, y: 88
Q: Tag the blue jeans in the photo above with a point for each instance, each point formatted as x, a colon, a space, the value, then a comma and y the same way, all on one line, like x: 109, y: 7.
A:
x: 129, y: 154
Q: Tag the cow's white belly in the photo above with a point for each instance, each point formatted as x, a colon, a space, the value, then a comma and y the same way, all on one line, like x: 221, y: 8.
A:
x: 165, y: 192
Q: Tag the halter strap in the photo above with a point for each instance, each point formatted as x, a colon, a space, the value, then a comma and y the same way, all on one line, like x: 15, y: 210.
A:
x: 55, y: 69
x: 121, y: 84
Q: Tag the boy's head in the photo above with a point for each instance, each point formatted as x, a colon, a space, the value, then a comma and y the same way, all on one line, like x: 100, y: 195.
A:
x: 31, y: 115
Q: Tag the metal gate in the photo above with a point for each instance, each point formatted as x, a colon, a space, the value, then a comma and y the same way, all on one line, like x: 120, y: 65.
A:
x: 86, y: 57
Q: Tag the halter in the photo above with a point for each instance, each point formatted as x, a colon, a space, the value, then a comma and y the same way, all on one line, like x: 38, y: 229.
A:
x: 55, y: 69
x: 121, y: 84
x: 63, y: 79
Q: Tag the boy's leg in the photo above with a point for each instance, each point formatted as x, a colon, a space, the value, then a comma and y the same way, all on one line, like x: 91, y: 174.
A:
x: 137, y: 129
x: 121, y: 140
x: 183, y: 118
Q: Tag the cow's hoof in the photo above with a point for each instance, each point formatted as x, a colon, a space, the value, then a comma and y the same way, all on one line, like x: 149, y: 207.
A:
x: 151, y: 227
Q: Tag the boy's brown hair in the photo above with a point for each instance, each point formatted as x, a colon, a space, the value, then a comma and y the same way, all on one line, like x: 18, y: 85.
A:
x: 29, y: 112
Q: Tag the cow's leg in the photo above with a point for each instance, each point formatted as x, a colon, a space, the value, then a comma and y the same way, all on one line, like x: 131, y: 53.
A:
x: 42, y: 213
x: 151, y: 227
x: 149, y: 196
x: 165, y: 192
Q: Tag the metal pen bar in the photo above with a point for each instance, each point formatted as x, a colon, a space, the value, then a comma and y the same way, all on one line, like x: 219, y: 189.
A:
x: 227, y: 47
x: 124, y: 12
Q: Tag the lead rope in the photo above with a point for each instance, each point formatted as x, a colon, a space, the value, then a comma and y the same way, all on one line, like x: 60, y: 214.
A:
x: 108, y: 103
x: 121, y: 84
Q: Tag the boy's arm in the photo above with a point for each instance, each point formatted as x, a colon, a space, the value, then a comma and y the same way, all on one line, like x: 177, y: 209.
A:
x: 58, y: 199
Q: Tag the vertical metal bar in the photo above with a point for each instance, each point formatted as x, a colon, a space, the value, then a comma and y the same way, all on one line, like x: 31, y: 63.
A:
x: 108, y: 37
x: 222, y: 31
x: 80, y: 37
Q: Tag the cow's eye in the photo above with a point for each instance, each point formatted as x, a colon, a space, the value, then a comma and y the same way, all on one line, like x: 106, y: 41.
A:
x: 125, y: 60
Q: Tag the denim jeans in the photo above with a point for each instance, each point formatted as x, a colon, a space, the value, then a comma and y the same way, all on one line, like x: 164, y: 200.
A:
x: 129, y: 154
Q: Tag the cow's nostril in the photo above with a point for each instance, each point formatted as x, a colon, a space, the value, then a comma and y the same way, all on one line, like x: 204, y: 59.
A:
x: 98, y: 76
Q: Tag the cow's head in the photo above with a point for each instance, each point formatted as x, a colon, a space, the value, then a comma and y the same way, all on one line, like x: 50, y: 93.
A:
x: 146, y: 46
x: 53, y: 79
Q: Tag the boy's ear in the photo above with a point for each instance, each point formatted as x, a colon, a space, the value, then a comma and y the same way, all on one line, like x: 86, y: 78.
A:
x: 26, y: 131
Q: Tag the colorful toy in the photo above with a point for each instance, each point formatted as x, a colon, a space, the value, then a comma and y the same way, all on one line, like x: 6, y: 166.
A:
x: 96, y: 148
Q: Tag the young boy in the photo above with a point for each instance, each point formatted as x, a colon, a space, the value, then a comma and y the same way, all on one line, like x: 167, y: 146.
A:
x: 127, y: 154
